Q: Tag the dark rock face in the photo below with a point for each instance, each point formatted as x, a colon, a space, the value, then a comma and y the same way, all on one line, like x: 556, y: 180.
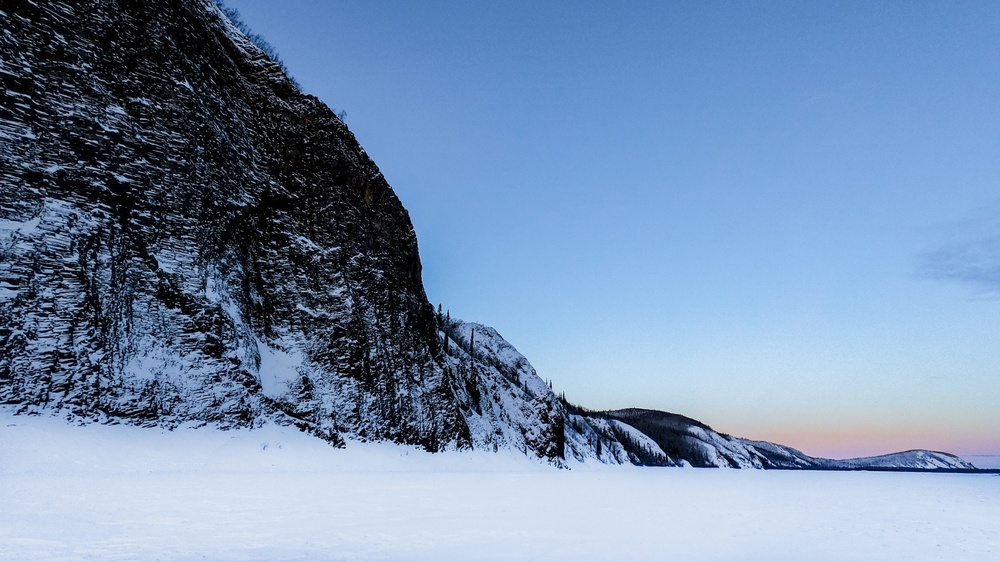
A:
x: 185, y: 236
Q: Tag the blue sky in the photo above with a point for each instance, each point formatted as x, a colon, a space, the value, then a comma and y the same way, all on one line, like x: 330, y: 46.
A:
x: 781, y: 218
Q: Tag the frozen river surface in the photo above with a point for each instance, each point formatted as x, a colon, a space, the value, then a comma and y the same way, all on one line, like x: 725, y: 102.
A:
x: 72, y: 493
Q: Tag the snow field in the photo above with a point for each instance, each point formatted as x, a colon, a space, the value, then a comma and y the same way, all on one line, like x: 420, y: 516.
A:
x: 122, y: 493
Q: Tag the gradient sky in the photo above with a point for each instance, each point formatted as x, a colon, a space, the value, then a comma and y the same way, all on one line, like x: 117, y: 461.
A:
x: 780, y: 218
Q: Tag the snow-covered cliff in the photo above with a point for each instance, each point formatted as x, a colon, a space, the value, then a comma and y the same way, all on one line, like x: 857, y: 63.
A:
x: 185, y: 236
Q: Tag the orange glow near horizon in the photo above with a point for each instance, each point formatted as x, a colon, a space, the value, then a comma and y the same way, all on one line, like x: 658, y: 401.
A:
x: 850, y: 442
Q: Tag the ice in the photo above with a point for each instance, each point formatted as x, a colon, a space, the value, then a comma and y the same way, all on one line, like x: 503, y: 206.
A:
x: 125, y: 493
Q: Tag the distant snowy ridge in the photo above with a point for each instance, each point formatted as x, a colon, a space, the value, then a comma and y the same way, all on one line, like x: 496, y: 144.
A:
x: 915, y: 459
x: 687, y: 441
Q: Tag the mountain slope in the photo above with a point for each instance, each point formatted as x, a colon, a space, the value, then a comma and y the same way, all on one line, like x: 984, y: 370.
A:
x: 685, y: 441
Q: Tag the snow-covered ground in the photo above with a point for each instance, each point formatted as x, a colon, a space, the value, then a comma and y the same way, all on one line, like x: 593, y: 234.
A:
x: 122, y: 493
